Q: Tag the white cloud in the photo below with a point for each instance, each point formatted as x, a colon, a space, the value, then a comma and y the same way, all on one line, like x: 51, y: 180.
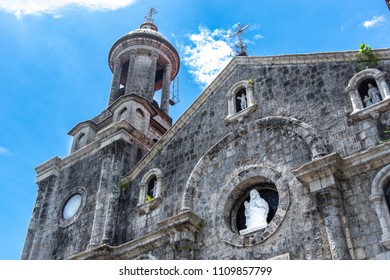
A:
x: 209, y: 52
x: 375, y: 21
x: 4, y: 151
x: 37, y: 7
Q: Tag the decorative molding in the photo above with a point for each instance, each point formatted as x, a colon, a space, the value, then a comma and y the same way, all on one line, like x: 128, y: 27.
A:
x: 183, y: 226
x: 319, y: 173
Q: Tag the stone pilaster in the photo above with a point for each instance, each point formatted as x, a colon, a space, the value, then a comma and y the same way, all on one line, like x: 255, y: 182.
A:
x: 152, y: 75
x: 382, y: 85
x: 32, y: 246
x: 377, y: 200
x: 357, y: 103
x: 101, y: 203
x: 321, y: 177
x: 183, y: 230
x: 166, y: 89
x: 116, y: 75
x: 112, y: 199
x: 130, y: 72
x: 329, y: 201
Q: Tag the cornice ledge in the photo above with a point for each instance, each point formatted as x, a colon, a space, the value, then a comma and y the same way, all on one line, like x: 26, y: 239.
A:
x: 322, y: 172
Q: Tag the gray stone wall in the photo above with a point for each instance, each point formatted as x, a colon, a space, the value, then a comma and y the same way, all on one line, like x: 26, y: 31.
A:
x: 313, y: 93
x: 48, y: 236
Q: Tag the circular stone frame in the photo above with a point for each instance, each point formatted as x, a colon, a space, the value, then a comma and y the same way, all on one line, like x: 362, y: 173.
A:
x: 236, y: 185
x: 79, y: 190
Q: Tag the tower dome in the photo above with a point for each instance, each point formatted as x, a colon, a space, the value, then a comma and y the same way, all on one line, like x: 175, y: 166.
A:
x: 143, y: 62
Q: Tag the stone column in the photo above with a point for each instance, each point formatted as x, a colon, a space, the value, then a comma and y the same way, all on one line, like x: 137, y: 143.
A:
x: 142, y: 193
x: 130, y: 72
x: 377, y: 200
x: 166, y: 87
x: 357, y: 103
x: 330, y: 203
x: 101, y: 203
x: 153, y: 68
x: 382, y: 86
x: 249, y: 93
x: 33, y: 248
x: 112, y: 200
x: 116, y: 75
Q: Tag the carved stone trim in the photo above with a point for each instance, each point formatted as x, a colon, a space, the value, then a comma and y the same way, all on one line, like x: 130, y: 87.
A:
x: 234, y: 116
x: 240, y: 179
x: 176, y: 230
x: 380, y: 181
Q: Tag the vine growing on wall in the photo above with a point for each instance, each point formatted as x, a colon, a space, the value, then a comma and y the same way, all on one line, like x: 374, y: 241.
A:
x: 366, y: 55
x: 386, y: 131
x: 125, y: 182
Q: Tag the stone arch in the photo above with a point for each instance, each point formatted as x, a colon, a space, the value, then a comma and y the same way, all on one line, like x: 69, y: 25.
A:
x: 306, y: 132
x: 367, y: 74
x: 377, y: 197
x: 247, y: 88
x: 236, y: 184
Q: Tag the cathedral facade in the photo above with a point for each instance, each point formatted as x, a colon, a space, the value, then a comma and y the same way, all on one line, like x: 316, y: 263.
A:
x: 282, y: 157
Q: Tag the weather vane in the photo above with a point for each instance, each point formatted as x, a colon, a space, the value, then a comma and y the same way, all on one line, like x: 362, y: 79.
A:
x: 149, y: 15
x: 240, y: 47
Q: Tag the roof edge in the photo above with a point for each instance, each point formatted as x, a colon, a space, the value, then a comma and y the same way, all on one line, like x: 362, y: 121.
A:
x: 345, y: 56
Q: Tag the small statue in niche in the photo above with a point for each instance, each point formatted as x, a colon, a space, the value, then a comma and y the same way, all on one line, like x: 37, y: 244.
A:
x: 256, y: 212
x: 373, y: 94
x: 243, y: 101
x: 367, y: 101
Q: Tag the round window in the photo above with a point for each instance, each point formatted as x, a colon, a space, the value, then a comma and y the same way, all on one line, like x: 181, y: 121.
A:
x: 267, y: 191
x: 71, y: 206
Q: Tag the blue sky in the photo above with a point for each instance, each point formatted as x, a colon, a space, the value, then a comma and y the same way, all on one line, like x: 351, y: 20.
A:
x: 54, y: 71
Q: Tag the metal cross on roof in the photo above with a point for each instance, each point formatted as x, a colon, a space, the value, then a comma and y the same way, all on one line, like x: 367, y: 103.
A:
x: 149, y: 15
x: 240, y: 47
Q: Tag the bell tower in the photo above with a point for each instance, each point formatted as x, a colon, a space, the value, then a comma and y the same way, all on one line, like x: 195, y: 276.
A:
x: 143, y: 62
x: 78, y: 195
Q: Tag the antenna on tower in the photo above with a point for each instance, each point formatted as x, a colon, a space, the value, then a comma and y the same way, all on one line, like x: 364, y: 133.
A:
x: 174, y: 99
x: 240, y: 49
x: 149, y: 15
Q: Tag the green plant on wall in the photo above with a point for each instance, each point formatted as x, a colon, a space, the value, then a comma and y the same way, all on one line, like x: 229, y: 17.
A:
x: 124, y: 183
x: 366, y: 55
x: 149, y: 198
x: 386, y: 132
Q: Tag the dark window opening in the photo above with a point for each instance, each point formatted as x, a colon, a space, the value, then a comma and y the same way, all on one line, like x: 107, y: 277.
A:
x: 152, y: 188
x: 387, y: 195
x: 363, y: 91
x: 241, y: 100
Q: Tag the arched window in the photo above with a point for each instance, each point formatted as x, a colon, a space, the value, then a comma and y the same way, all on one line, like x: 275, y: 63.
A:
x: 80, y: 141
x: 369, y: 93
x: 123, y: 114
x: 140, y: 119
x: 152, y: 188
x: 240, y: 101
x: 387, y: 195
x: 380, y: 198
x: 140, y: 113
x: 150, y: 191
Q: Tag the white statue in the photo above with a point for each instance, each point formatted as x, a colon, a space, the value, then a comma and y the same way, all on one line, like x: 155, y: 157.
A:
x: 256, y: 212
x: 367, y: 101
x: 373, y: 93
x: 243, y: 101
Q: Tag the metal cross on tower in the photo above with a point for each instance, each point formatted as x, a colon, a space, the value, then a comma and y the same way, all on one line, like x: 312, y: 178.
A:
x: 240, y: 47
x: 149, y: 15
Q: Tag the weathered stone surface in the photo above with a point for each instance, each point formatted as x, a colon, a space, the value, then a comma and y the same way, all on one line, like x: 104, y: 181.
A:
x: 298, y: 140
